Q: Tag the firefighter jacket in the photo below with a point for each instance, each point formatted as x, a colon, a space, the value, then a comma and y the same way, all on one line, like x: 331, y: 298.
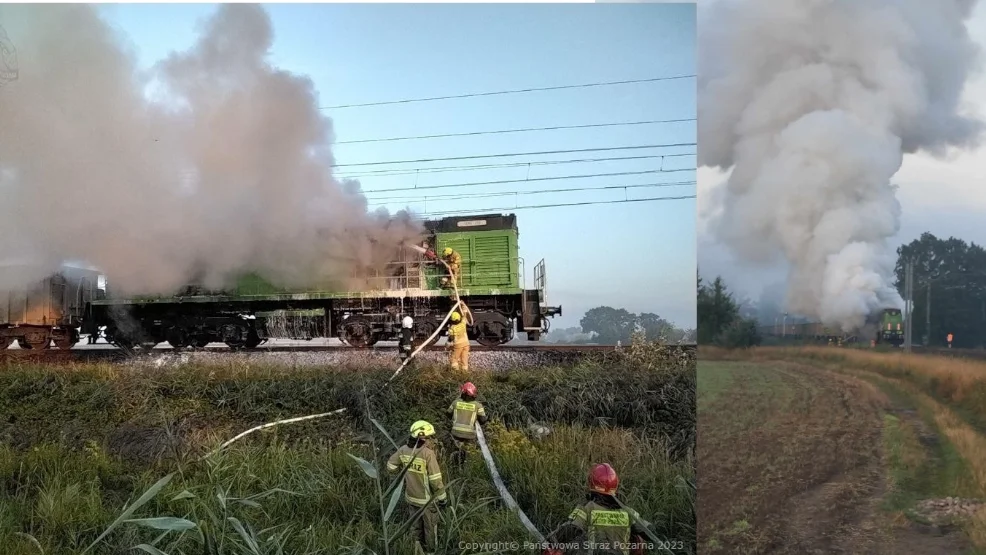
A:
x: 609, y: 528
x: 458, y: 333
x: 464, y: 415
x: 424, y: 476
x: 406, y: 342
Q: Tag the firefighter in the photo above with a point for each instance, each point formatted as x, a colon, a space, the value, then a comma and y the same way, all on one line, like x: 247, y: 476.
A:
x: 454, y: 261
x: 422, y: 479
x: 405, y: 345
x: 458, y: 340
x: 465, y: 412
x: 601, y: 520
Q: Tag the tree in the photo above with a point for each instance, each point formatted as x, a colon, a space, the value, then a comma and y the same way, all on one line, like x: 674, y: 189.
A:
x: 954, y: 273
x: 655, y: 327
x: 609, y: 324
x: 719, y: 320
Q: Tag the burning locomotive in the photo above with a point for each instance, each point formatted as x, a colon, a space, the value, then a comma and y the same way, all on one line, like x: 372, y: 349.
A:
x: 884, y: 327
x: 253, y: 309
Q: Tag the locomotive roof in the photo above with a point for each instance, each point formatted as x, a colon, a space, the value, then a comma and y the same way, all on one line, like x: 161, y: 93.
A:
x: 483, y: 222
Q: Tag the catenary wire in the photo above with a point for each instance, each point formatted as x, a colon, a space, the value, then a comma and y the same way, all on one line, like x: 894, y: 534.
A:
x: 524, y: 130
x: 510, y: 154
x: 513, y: 91
x: 558, y: 205
x: 464, y: 196
x: 532, y: 179
x: 473, y: 167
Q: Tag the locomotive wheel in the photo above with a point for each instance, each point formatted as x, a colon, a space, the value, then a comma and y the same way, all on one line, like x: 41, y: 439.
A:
x: 201, y: 342
x: 5, y: 342
x: 423, y: 331
x: 356, y: 332
x: 148, y: 346
x: 235, y: 336
x: 34, y: 345
x: 490, y: 341
x: 65, y: 343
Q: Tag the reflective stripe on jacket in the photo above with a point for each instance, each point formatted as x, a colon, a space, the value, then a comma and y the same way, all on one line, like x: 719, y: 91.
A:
x: 464, y: 415
x: 424, y: 476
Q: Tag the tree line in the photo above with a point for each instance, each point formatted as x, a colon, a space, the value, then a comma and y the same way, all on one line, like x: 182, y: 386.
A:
x: 949, y: 290
x: 720, y: 321
x: 606, y: 325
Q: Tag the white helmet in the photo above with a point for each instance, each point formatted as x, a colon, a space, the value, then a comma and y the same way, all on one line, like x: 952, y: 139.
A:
x: 407, y: 322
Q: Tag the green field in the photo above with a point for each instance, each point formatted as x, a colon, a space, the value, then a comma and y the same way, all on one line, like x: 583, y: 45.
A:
x: 79, y: 444
x: 838, y: 450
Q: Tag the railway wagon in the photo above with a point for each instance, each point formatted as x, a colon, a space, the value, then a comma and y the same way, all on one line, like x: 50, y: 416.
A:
x: 255, y: 309
x: 37, y: 312
x: 810, y: 331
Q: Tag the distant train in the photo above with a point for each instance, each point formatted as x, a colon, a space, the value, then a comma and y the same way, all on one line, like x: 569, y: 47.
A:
x: 60, y: 307
x: 886, y: 328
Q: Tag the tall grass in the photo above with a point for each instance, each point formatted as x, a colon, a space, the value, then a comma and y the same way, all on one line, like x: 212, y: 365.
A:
x: 82, y: 444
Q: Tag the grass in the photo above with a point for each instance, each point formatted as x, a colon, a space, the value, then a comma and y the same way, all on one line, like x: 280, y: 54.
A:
x: 777, y: 442
x: 933, y: 423
x: 82, y: 443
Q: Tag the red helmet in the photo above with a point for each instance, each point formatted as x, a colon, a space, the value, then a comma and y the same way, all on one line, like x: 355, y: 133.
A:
x: 603, y: 479
x: 469, y: 389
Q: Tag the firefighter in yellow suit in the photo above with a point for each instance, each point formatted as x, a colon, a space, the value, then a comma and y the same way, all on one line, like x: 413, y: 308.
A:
x: 454, y: 261
x: 422, y: 480
x: 458, y: 337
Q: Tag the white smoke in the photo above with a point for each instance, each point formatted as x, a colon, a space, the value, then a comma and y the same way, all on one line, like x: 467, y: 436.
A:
x: 811, y: 104
x: 228, y: 169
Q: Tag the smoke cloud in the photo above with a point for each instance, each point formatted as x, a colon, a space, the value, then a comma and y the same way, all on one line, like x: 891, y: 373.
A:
x: 811, y: 104
x: 212, y: 163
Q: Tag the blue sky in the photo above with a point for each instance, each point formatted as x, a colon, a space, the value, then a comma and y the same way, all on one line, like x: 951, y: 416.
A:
x: 640, y: 256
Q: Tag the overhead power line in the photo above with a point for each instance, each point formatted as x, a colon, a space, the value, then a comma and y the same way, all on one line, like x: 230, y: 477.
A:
x: 514, y: 91
x: 478, y: 210
x: 532, y: 179
x: 464, y: 196
x: 511, y: 154
x: 525, y: 130
x: 441, y: 169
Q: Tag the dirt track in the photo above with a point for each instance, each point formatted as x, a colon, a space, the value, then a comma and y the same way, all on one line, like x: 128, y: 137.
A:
x: 790, y: 461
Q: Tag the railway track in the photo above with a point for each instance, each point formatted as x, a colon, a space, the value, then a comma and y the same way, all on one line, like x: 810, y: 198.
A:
x: 110, y: 354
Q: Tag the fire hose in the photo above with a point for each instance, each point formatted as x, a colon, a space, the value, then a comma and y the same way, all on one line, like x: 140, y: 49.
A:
x: 481, y: 438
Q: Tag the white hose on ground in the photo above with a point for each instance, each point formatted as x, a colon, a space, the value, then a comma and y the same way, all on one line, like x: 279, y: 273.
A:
x: 271, y: 425
x: 504, y: 494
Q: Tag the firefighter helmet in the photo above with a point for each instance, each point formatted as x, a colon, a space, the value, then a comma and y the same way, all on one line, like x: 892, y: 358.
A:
x: 603, y: 479
x: 407, y: 322
x: 422, y: 428
x: 456, y: 317
x: 447, y: 252
x: 469, y: 389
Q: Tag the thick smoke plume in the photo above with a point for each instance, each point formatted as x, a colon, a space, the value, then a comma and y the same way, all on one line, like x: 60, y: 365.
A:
x: 213, y: 163
x: 812, y: 104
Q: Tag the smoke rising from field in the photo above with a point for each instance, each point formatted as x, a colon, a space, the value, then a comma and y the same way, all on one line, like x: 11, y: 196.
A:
x: 227, y: 167
x: 812, y: 104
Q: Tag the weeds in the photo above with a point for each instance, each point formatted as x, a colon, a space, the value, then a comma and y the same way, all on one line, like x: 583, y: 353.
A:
x: 75, y: 444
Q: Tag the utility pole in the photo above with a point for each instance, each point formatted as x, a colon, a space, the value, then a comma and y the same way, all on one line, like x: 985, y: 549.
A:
x: 908, y: 304
x: 927, y: 318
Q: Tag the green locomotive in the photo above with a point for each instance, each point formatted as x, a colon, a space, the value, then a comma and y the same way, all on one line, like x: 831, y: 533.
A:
x: 255, y: 309
x: 891, y: 330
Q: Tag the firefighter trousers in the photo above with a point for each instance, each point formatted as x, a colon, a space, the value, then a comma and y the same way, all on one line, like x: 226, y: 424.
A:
x: 427, y: 527
x: 460, y: 356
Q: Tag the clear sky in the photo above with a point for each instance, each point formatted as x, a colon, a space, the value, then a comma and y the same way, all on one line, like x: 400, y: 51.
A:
x: 640, y: 256
x: 942, y: 195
